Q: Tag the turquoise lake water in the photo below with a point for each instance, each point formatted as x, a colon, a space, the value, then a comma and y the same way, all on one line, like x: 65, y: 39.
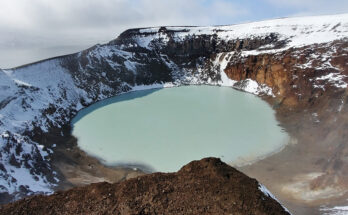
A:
x: 163, y: 129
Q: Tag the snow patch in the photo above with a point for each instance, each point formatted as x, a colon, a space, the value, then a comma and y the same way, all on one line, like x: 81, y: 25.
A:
x: 253, y: 87
x: 335, y: 79
x: 338, y: 210
x: 153, y: 86
x: 265, y: 191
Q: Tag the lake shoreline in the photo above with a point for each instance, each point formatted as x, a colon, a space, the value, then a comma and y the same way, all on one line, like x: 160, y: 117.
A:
x: 164, y: 129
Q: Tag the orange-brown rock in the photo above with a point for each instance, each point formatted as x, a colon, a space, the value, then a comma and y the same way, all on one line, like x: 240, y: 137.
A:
x: 312, y: 108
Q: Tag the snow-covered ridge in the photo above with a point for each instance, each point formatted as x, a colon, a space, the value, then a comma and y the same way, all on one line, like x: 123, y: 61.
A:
x: 299, y: 31
x: 47, y: 94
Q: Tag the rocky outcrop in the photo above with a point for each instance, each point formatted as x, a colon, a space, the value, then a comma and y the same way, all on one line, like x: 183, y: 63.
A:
x: 298, y: 76
x: 310, y: 81
x: 208, y: 186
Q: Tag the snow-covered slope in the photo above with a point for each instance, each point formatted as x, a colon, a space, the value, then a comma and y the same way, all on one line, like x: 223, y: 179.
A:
x: 39, y: 97
x: 25, y: 94
x: 297, y: 32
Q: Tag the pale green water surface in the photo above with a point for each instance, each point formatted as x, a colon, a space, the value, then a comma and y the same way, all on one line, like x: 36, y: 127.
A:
x: 163, y: 129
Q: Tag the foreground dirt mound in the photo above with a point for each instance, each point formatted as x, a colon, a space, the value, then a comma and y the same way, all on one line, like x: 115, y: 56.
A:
x: 208, y: 186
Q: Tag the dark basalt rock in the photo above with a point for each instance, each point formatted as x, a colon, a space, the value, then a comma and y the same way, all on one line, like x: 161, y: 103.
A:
x: 208, y: 186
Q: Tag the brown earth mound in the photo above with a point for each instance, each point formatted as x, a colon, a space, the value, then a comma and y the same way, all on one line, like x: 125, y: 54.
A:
x: 208, y: 186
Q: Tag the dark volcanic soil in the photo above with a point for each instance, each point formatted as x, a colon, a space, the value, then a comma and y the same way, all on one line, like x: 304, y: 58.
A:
x: 208, y: 186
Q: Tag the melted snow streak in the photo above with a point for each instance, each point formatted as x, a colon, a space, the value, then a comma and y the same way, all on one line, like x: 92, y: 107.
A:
x: 265, y: 191
x: 45, y: 95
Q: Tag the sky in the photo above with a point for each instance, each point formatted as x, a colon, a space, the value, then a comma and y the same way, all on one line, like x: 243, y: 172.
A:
x: 31, y: 30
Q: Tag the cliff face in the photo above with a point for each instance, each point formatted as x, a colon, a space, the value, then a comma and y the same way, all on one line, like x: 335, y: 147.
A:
x: 299, y: 76
x: 208, y: 186
x: 297, y: 64
x: 310, y: 86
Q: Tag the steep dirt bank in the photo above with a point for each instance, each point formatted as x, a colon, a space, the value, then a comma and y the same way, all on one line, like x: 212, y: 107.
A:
x: 208, y: 186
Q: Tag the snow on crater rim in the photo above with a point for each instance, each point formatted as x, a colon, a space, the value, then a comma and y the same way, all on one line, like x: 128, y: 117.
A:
x: 299, y: 31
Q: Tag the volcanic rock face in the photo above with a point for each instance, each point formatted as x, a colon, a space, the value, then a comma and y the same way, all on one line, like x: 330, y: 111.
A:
x: 311, y: 85
x: 298, y: 65
x: 208, y: 186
